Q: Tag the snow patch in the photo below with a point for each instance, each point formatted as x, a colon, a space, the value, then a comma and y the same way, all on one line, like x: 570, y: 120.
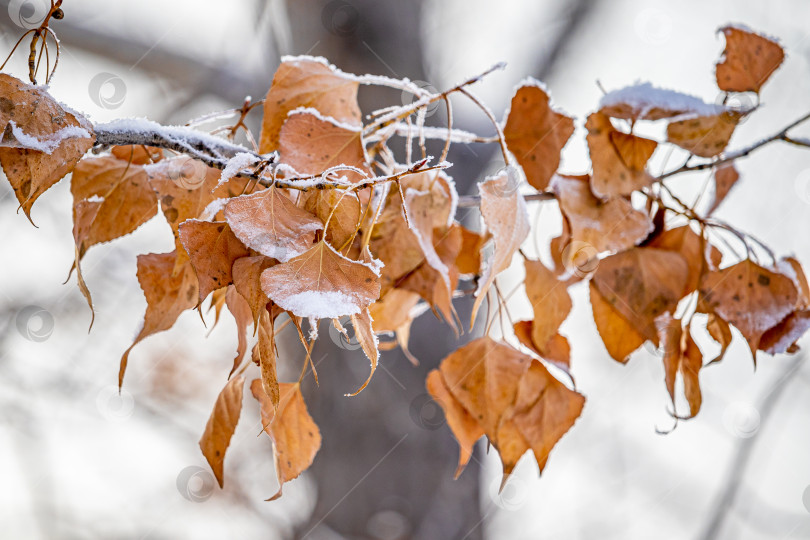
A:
x: 235, y: 166
x: 645, y: 97
x: 319, y: 304
x: 50, y: 143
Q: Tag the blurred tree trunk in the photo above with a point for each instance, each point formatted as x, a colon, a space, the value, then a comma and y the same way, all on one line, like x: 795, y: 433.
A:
x: 386, y: 466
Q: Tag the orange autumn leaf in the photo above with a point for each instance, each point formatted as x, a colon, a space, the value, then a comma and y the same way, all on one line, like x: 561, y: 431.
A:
x: 213, y: 249
x: 700, y: 256
x: 321, y: 284
x: 247, y: 273
x: 557, y: 350
x: 618, y: 159
x: 620, y: 338
x: 641, y: 284
x: 168, y: 291
x: 137, y: 154
x: 221, y: 425
x: 748, y: 60
x: 307, y: 82
x: 536, y: 134
x: 720, y: 331
x: 783, y: 337
x: 241, y: 312
x: 469, y: 256
x: 704, y: 136
x: 484, y: 376
x: 680, y: 355
x: 506, y: 217
x: 111, y: 198
x: 643, y: 101
x: 464, y: 427
x: 752, y: 298
x: 365, y: 336
x: 544, y: 411
x: 296, y: 437
x: 269, y: 222
x: 41, y: 141
x: 343, y: 208
x: 725, y: 177
x: 611, y: 225
x: 264, y: 354
x: 311, y: 144
x: 550, y: 302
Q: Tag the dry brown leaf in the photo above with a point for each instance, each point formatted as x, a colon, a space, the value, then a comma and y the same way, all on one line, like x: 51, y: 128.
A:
x: 168, y: 291
x: 464, y: 427
x: 241, y: 312
x: 643, y: 101
x: 704, y: 136
x: 484, y: 376
x: 270, y: 223
x: 321, y: 284
x: 344, y: 209
x: 247, y: 273
x: 550, y: 302
x: 752, y: 298
x: 748, y: 60
x: 307, y: 82
x: 692, y: 248
x: 137, y: 154
x: 364, y: 333
x: 545, y: 409
x: 41, y: 141
x: 469, y: 256
x: 536, y: 134
x: 185, y: 188
x: 506, y: 217
x: 111, y: 198
x: 725, y: 177
x: 800, y: 280
x: 783, y: 337
x: 641, y: 284
x: 393, y: 310
x: 311, y: 144
x: 296, y: 437
x: 221, y: 425
x: 556, y: 351
x: 612, y: 225
x: 264, y: 354
x: 619, y: 160
x: 620, y: 337
x: 680, y: 355
x: 721, y: 333
x: 213, y: 249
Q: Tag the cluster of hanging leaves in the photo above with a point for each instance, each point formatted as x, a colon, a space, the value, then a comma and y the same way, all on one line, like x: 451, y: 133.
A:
x: 322, y: 221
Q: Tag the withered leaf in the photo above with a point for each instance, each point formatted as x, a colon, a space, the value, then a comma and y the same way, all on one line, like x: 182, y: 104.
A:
x: 270, y: 223
x: 550, y: 302
x: 680, y: 355
x: 306, y: 82
x: 641, y: 284
x: 265, y: 355
x: 311, y: 144
x: 221, y: 425
x: 748, y: 60
x: 364, y: 333
x: 247, y: 273
x: 213, y: 249
x: 700, y: 256
x: 704, y: 136
x: 241, y: 312
x: 536, y: 134
x: 321, y: 284
x: 611, y: 225
x: 343, y: 208
x: 168, y: 291
x: 619, y: 160
x: 506, y: 217
x: 725, y: 178
x: 41, y: 141
x: 620, y: 337
x: 296, y: 437
x: 752, y: 298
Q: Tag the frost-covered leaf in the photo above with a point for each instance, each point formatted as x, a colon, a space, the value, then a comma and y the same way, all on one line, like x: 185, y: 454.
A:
x: 344, y: 209
x: 536, y: 133
x: 311, y: 143
x: 504, y: 212
x: 41, y: 141
x: 704, y: 136
x: 752, y: 298
x: 270, y: 223
x: 307, y: 82
x: 364, y: 334
x: 321, y: 284
x: 643, y: 101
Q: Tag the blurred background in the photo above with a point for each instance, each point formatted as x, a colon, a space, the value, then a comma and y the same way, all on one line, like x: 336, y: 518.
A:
x: 78, y: 461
